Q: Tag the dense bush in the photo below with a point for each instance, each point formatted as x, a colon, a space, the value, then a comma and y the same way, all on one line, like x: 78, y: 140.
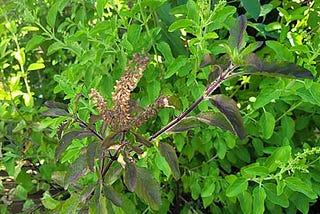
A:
x: 86, y: 86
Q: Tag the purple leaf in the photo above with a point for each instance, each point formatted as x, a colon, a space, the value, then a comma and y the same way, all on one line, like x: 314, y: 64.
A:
x: 237, y: 32
x: 130, y: 176
x: 169, y: 154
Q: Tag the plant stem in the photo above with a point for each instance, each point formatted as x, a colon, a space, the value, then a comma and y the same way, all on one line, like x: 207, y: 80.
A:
x: 208, y: 92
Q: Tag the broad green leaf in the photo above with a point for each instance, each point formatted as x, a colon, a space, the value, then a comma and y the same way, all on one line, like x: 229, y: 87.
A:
x: 147, y: 188
x: 215, y: 119
x: 20, y: 56
x: 70, y: 205
x: 165, y: 50
x: 220, y: 16
x: 296, y: 184
x: 53, y: 11
x: 34, y: 42
x: 35, y: 66
x: 252, y: 7
x: 67, y: 138
x: 281, y: 154
x: 112, y: 195
x: 281, y: 51
x: 259, y: 196
x: 266, y: 96
x: 245, y: 200
x: 237, y: 32
x: 301, y: 202
x: 100, y: 7
x: 287, y: 127
x: 55, y: 47
x: 251, y: 48
x: 229, y: 108
x: 139, y: 138
x: 184, y: 125
x: 174, y: 67
x: 77, y: 169
x: 24, y: 179
x: 221, y: 148
x: 282, y: 69
x: 208, y: 188
x: 181, y: 23
x: 49, y: 202
x: 254, y: 170
x: 195, y: 190
x: 130, y: 176
x: 267, y: 124
x: 310, y: 94
x: 238, y: 186
x: 168, y: 152
x: 271, y: 191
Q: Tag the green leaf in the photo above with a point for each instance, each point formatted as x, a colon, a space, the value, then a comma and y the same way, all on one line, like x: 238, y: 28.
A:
x: 245, y: 200
x: 55, y: 47
x: 130, y: 176
x: 165, y: 50
x: 70, y: 205
x: 181, y: 23
x: 229, y: 108
x: 254, y: 170
x: 100, y: 7
x: 271, y: 191
x: 296, y: 184
x: 67, y: 138
x: 310, y: 94
x: 35, y: 66
x: 252, y: 7
x: 238, y: 186
x: 34, y: 42
x: 147, y: 188
x: 112, y: 195
x: 48, y: 202
x: 251, y: 48
x: 259, y: 196
x: 281, y: 154
x: 168, y: 152
x: 221, y: 148
x: 52, y: 13
x: 184, y: 125
x: 174, y: 67
x: 221, y: 14
x: 267, y: 124
x: 281, y: 51
x: 208, y: 188
x: 237, y: 32
x: 266, y: 96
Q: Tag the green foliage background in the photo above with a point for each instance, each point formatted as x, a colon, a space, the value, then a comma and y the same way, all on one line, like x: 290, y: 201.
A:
x: 59, y: 50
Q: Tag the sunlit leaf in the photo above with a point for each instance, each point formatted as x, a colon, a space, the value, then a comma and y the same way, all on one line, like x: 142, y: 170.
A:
x: 296, y: 184
x: 238, y: 186
x: 139, y: 138
x: 67, y: 138
x: 215, y: 119
x: 285, y: 69
x: 168, y: 152
x: 259, y: 196
x: 35, y: 66
x: 267, y: 124
x: 130, y: 176
x: 237, y: 32
x: 49, y: 202
x: 112, y: 195
x: 181, y: 23
x: 281, y: 154
x: 229, y: 108
x: 184, y: 125
x: 148, y: 188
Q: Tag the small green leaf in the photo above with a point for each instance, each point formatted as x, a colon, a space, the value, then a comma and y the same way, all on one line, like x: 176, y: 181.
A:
x: 266, y: 96
x: 168, y: 152
x: 48, y: 202
x: 229, y: 108
x: 112, y: 195
x: 147, y: 188
x: 267, y: 124
x: 165, y: 50
x: 251, y: 48
x: 310, y: 94
x: 70, y: 205
x: 181, y: 23
x: 259, y: 196
x: 296, y: 184
x: 130, y: 176
x: 281, y: 51
x: 55, y: 47
x: 100, y: 7
x: 252, y: 7
x: 281, y: 154
x: 34, y: 42
x: 238, y: 186
x: 208, y: 188
x: 36, y: 66
x: 174, y: 67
